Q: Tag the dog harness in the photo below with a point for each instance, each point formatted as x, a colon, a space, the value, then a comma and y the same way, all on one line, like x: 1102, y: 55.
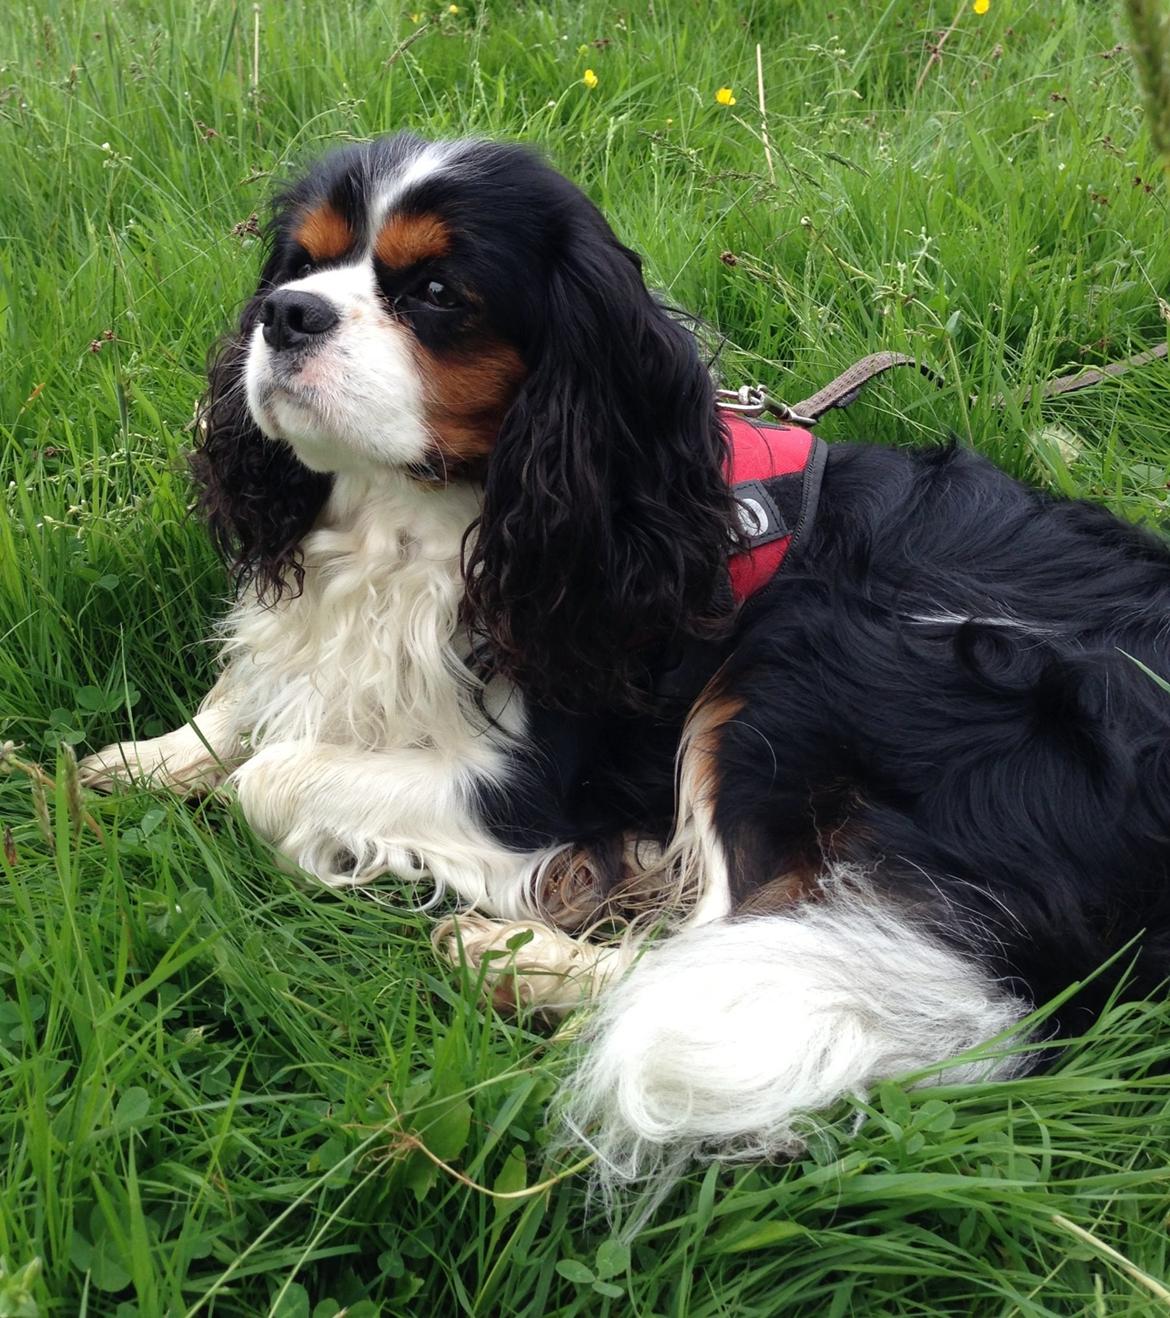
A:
x: 775, y: 475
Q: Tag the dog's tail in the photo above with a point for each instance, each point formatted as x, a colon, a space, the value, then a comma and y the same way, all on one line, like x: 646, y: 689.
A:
x: 723, y: 1039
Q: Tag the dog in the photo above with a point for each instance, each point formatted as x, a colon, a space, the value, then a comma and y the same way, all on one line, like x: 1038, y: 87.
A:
x: 473, y: 487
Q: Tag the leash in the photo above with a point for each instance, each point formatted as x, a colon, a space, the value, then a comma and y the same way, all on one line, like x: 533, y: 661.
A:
x: 754, y: 400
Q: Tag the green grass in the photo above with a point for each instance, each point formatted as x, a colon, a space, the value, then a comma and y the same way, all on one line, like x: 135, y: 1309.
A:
x: 215, y: 1080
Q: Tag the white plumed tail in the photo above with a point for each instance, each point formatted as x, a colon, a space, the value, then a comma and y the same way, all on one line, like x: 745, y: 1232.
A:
x: 721, y: 1039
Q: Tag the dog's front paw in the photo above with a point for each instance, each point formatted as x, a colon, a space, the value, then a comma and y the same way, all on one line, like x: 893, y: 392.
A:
x: 179, y: 762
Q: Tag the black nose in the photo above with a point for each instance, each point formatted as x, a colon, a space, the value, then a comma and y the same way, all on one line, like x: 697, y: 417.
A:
x: 291, y: 317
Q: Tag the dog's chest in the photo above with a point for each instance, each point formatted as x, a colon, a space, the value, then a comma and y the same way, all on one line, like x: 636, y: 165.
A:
x: 370, y: 653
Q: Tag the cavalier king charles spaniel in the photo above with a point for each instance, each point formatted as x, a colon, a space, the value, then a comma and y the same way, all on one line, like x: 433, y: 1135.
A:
x: 472, y: 482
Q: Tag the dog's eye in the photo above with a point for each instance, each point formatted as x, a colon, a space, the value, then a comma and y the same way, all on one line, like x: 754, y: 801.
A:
x: 437, y: 294
x: 421, y: 294
x: 304, y: 271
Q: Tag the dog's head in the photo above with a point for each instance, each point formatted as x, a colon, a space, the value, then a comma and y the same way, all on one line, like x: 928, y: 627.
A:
x: 459, y: 311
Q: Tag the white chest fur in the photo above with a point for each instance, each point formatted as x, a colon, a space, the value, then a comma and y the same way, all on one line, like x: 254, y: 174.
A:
x: 371, y: 654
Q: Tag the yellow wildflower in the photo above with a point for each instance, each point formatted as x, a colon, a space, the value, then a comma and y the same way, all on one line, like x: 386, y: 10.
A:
x: 589, y: 78
x: 414, y: 18
x: 981, y: 6
x: 452, y: 9
x: 724, y: 96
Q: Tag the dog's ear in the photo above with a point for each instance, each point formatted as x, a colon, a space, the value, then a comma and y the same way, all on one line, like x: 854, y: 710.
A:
x: 258, y: 498
x: 606, y: 519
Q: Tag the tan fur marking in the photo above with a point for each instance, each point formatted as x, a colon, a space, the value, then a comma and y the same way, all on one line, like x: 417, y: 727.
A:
x: 708, y: 717
x: 695, y: 850
x: 780, y: 894
x: 608, y: 881
x: 467, y: 395
x: 405, y: 240
x: 324, y: 233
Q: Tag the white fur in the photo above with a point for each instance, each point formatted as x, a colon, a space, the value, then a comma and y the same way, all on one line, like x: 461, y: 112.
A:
x: 368, y: 739
x: 725, y: 1038
x: 369, y: 654
x: 432, y: 157
x: 948, y: 618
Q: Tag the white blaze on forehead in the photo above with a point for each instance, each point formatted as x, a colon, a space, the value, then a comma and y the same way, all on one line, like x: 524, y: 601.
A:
x: 429, y: 161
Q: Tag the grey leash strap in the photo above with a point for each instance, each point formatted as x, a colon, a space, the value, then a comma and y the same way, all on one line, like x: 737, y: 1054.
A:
x: 845, y: 388
x: 1068, y: 384
x: 754, y: 400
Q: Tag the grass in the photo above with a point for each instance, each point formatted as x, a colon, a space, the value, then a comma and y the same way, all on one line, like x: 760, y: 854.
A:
x: 225, y: 1092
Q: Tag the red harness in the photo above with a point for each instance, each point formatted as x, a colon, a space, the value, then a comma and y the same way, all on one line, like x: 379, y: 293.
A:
x: 775, y: 474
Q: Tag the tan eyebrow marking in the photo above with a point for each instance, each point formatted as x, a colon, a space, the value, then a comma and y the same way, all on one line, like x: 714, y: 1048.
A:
x: 324, y: 233
x: 405, y: 240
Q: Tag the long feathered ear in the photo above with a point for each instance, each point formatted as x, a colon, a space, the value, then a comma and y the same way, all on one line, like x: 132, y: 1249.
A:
x: 606, y: 519
x: 258, y: 498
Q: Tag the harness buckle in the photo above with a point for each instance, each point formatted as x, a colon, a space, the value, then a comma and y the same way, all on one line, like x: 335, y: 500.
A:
x: 754, y: 400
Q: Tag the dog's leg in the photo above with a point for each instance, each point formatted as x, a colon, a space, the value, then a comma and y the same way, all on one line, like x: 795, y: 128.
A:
x: 350, y: 816
x: 192, y: 760
x: 692, y: 881
x: 689, y: 883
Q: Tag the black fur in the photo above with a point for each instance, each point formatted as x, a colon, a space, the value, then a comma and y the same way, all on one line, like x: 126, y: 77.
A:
x: 1011, y: 783
x: 1008, y: 785
x: 606, y: 517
